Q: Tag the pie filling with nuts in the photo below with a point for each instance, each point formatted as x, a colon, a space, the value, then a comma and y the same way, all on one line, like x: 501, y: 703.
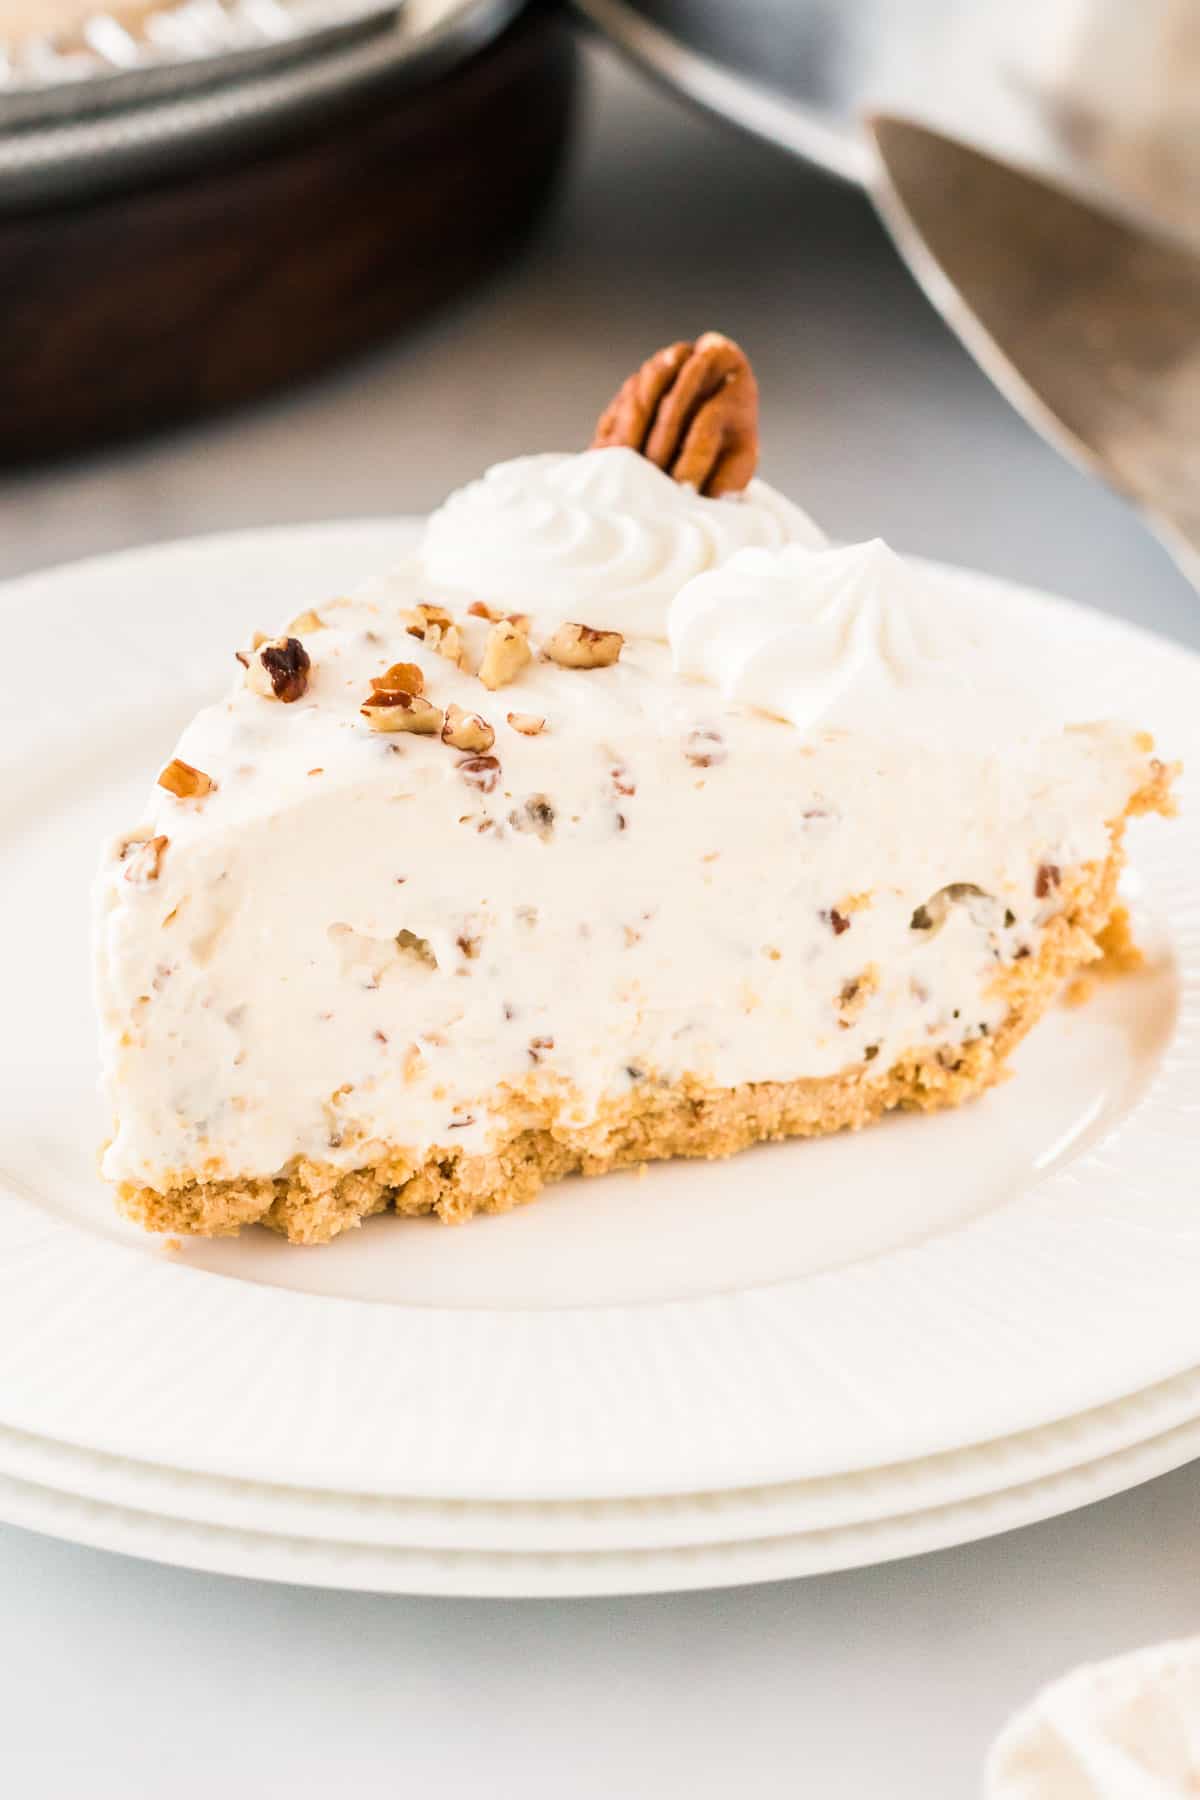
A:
x: 626, y: 819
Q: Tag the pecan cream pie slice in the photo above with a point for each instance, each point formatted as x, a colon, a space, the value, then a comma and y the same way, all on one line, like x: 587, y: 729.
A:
x: 627, y: 820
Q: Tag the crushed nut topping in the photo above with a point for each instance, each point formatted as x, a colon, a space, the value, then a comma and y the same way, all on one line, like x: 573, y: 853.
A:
x: 703, y: 747
x: 838, y: 921
x: 277, y: 668
x: 179, y: 778
x: 933, y: 915
x: 537, y: 815
x: 401, y: 711
x: 528, y: 724
x: 467, y: 730
x: 691, y: 409
x: 538, y: 1047
x: 479, y: 609
x: 504, y: 655
x: 401, y: 678
x: 446, y: 640
x: 482, y: 772
x: 855, y: 994
x: 583, y: 647
x: 306, y: 621
x: 417, y: 947
x: 1048, y: 877
x: 418, y: 620
x: 143, y: 858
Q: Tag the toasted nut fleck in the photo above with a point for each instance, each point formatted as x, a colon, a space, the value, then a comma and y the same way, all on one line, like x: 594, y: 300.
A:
x: 528, y: 724
x: 467, y: 730
x: 538, y: 1047
x: 401, y: 678
x: 447, y: 642
x: 1047, y: 879
x: 276, y: 668
x: 179, y: 778
x: 482, y: 772
x: 399, y: 711
x: 537, y: 815
x: 703, y: 747
x: 143, y: 858
x: 420, y: 618
x: 582, y: 647
x: 307, y: 621
x: 504, y: 655
x: 479, y: 609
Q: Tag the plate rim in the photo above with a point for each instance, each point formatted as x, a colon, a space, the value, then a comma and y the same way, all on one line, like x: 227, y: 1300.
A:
x: 927, y: 1485
x: 495, y: 1575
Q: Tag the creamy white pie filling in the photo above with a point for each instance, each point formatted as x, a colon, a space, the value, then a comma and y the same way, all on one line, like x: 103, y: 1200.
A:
x: 359, y: 940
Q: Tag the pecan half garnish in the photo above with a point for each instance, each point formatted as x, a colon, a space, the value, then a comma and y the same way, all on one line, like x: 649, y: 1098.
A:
x: 277, y: 668
x: 692, y: 409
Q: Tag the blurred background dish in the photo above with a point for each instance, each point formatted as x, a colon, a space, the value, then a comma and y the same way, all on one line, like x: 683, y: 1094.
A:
x: 62, y: 58
x: 236, y: 241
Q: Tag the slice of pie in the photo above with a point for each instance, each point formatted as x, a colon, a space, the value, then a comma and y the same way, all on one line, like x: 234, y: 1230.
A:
x: 627, y: 820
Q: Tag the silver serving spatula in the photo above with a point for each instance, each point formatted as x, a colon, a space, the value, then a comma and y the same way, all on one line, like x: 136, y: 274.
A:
x: 1088, y: 324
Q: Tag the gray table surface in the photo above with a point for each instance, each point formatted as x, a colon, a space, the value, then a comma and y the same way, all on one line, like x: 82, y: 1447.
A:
x: 125, y: 1679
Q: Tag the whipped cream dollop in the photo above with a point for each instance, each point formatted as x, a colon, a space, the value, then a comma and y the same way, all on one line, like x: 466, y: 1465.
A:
x: 603, y: 537
x: 852, y: 637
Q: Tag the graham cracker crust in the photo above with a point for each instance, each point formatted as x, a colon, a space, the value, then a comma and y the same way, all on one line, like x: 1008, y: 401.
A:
x: 311, y: 1202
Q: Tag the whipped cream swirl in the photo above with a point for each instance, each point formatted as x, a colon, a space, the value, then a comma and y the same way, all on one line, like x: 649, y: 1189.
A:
x: 852, y: 638
x: 604, y: 537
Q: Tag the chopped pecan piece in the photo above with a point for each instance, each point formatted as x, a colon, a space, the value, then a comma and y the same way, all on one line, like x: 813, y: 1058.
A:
x: 479, y: 609
x: 179, y: 778
x: 277, y: 668
x: 583, y: 647
x: 1047, y: 879
x: 401, y: 711
x: 504, y: 655
x: 401, y: 678
x: 703, y: 747
x: 482, y: 772
x: 691, y: 409
x: 446, y: 640
x: 307, y: 621
x: 467, y: 730
x: 528, y: 724
x: 143, y: 858
x: 418, y: 620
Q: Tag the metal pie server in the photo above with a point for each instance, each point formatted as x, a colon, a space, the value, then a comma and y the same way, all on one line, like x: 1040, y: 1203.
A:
x: 1088, y: 324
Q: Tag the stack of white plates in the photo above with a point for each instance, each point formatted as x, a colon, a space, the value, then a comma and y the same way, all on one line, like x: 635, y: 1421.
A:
x: 814, y: 1356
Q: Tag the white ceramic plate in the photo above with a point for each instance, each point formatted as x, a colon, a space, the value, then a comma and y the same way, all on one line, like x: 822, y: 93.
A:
x: 1167, y: 1413
x: 805, y: 1311
x: 415, y: 1569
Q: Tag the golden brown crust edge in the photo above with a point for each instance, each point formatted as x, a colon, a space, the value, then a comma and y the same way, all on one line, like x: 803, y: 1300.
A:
x: 313, y: 1202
